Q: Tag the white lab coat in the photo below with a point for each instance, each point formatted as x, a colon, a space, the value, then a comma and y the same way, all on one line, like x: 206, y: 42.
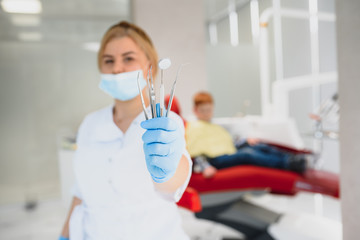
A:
x: 118, y: 195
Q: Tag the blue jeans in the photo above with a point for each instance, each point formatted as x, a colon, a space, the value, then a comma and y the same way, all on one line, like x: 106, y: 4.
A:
x: 259, y: 155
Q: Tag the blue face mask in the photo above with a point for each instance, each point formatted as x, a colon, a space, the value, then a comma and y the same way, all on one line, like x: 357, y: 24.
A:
x: 122, y: 86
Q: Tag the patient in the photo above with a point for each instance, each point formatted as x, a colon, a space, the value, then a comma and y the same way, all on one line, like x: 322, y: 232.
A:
x: 212, y: 147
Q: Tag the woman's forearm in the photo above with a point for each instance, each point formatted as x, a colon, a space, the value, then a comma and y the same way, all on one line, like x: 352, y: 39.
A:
x: 178, y: 179
x: 65, y: 231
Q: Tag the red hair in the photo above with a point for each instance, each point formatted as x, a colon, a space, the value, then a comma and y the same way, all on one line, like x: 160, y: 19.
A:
x: 202, y: 98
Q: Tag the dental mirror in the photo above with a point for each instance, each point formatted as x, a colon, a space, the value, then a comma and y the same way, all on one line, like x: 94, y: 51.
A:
x: 164, y: 63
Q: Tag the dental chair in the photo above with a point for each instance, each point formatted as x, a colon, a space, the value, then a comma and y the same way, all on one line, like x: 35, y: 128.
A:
x: 222, y: 198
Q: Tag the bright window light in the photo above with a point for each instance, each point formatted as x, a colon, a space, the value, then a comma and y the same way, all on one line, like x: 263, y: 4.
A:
x: 25, y: 20
x: 91, y: 46
x: 254, y: 11
x: 21, y: 6
x: 234, y: 28
x: 30, y: 36
x: 314, y: 23
x: 213, y: 34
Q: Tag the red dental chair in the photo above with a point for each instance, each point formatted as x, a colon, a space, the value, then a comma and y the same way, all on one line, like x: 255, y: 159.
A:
x: 220, y: 198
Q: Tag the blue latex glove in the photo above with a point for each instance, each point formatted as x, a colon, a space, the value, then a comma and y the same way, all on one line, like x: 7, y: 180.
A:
x: 164, y: 144
x: 63, y: 238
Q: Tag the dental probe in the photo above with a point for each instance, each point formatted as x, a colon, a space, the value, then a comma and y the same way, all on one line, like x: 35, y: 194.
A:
x: 173, y: 89
x: 152, y: 97
x: 150, y: 93
x: 142, y: 98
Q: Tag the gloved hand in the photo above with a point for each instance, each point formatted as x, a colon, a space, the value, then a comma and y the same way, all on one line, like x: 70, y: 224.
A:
x: 63, y: 238
x: 164, y: 144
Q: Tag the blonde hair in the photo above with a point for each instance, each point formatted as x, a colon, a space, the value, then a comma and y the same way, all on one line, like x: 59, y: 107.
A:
x: 126, y: 29
x: 202, y: 98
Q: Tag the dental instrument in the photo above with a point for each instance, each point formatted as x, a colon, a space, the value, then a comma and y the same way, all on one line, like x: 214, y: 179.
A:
x: 142, y: 98
x: 173, y: 90
x: 150, y: 93
x: 163, y: 64
x: 157, y: 108
x: 158, y: 111
x: 153, y: 96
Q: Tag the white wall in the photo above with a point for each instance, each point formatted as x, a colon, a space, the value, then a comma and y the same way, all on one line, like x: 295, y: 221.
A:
x: 234, y: 73
x: 234, y: 79
x: 348, y: 37
x: 177, y: 30
x: 44, y: 89
x: 241, y: 63
x: 49, y: 86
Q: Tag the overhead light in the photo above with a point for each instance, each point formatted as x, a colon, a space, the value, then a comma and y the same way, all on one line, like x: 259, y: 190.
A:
x: 233, y: 22
x: 314, y: 22
x: 213, y: 34
x: 255, y: 25
x: 25, y: 20
x: 234, y: 28
x: 21, y: 6
x: 30, y: 36
x: 92, y: 46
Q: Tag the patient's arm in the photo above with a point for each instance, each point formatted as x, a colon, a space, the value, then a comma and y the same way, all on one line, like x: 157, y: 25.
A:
x: 252, y: 141
x: 209, y: 172
x: 65, y: 231
x: 201, y: 165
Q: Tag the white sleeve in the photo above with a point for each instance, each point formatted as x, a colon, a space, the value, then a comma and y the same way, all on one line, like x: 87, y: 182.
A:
x: 179, y: 192
x: 76, y: 191
x: 75, y: 188
x: 176, y: 196
x: 80, y: 139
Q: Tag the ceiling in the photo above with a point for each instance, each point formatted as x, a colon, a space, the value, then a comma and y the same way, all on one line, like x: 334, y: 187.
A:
x: 79, y: 21
x: 64, y: 21
x: 218, y: 9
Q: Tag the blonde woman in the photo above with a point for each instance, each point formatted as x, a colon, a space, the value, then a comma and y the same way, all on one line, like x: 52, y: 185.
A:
x: 129, y: 172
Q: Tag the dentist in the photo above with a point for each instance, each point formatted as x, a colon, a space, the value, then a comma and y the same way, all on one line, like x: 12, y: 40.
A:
x: 129, y: 172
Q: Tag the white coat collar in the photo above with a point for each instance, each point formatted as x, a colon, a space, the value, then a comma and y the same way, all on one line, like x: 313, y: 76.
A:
x: 107, y: 131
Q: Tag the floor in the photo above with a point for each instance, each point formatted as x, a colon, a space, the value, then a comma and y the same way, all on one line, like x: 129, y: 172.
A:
x: 43, y: 222
x: 306, y: 217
